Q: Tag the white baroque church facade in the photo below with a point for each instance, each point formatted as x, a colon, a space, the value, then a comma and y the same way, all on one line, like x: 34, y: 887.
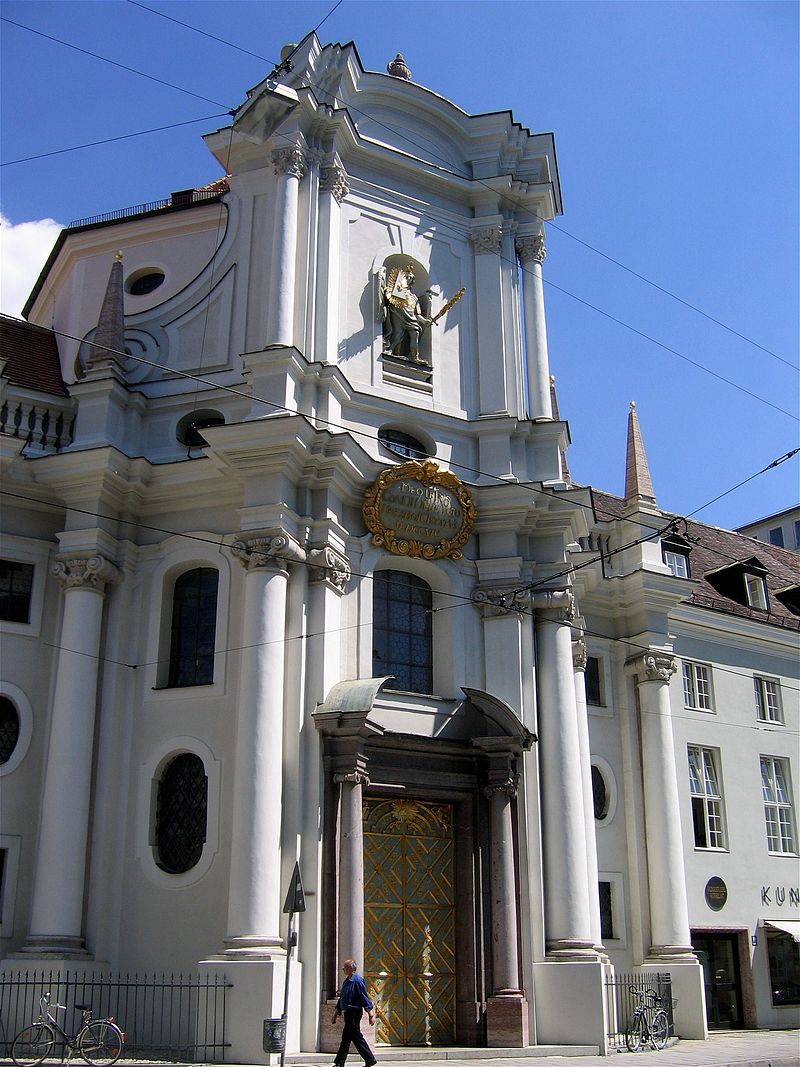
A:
x: 294, y: 574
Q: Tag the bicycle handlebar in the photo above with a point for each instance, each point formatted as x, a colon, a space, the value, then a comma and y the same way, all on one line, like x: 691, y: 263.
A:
x: 646, y: 994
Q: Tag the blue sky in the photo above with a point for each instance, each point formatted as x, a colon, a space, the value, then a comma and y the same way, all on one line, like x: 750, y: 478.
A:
x: 676, y: 130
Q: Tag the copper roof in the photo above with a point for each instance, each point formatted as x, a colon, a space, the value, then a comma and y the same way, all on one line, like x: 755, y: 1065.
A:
x: 31, y: 357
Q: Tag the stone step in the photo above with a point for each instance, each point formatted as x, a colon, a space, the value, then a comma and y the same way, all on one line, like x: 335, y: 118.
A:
x: 396, y: 1054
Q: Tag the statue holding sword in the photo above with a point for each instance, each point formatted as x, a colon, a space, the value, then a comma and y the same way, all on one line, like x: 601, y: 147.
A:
x: 405, y: 316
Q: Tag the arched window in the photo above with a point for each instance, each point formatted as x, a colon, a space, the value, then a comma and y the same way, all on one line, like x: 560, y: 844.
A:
x: 402, y: 630
x: 9, y: 729
x: 194, y: 622
x: 181, y: 813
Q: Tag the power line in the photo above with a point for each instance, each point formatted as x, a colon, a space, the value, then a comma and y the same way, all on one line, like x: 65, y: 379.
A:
x: 109, y: 140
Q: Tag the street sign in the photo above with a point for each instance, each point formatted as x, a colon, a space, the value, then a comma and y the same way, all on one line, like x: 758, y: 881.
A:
x: 295, y: 898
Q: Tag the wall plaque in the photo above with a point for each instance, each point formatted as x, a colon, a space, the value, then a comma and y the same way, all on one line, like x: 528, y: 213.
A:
x: 415, y: 509
x: 716, y: 894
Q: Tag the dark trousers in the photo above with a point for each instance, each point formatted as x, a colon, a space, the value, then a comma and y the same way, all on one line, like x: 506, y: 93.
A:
x: 352, y: 1032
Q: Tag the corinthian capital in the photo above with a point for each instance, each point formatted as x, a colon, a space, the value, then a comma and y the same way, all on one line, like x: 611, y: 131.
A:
x: 558, y: 602
x: 333, y: 180
x: 652, y: 666
x: 579, y: 654
x: 487, y: 240
x: 501, y: 601
x: 92, y: 572
x: 289, y: 161
x: 531, y: 249
x: 328, y: 565
x: 274, y: 551
x: 505, y: 787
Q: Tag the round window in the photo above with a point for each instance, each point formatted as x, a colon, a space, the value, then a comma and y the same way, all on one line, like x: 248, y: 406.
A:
x: 190, y: 427
x: 143, y: 283
x: 9, y: 729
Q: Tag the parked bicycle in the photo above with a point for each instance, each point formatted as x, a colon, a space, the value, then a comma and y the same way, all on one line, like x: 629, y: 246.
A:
x: 98, y: 1041
x: 649, y: 1022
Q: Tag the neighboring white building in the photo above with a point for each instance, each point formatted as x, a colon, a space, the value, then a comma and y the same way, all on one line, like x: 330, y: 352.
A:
x: 781, y: 529
x: 289, y: 575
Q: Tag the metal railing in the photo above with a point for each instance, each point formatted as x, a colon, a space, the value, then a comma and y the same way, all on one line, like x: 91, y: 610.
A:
x: 620, y: 1002
x: 197, y: 195
x: 165, y: 1017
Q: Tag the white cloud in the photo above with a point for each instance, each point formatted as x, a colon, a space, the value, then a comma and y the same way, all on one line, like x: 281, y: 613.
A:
x: 24, y: 248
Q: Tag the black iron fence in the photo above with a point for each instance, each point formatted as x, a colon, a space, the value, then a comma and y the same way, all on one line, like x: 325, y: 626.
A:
x: 166, y: 1017
x: 621, y: 1002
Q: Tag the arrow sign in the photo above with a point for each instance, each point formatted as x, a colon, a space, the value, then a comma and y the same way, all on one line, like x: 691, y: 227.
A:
x: 295, y: 898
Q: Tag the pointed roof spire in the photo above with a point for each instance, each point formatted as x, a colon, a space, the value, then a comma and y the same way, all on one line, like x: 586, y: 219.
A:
x: 638, y: 484
x: 108, y: 347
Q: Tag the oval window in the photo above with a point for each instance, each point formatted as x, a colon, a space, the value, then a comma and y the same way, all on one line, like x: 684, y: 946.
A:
x: 9, y: 729
x: 599, y: 794
x: 181, y: 814
x: 142, y: 284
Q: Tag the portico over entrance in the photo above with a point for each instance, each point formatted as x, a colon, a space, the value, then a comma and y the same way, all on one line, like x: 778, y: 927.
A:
x: 420, y: 847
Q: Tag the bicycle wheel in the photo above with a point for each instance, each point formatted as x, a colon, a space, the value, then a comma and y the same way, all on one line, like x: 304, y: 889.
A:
x: 100, y: 1042
x: 33, y: 1044
x: 659, y: 1029
x: 634, y: 1033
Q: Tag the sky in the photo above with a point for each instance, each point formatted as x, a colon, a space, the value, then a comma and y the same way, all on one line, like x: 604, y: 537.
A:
x: 676, y: 128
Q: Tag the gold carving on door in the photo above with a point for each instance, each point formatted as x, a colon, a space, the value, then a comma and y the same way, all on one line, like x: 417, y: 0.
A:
x: 409, y: 920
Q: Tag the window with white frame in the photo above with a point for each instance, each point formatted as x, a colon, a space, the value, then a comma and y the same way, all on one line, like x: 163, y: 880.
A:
x: 678, y: 562
x: 697, y: 692
x: 756, y: 591
x: 708, y: 818
x: 778, y: 808
x: 768, y: 699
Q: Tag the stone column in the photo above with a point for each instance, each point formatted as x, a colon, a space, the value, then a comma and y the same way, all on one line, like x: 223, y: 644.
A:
x: 255, y: 892
x: 289, y: 166
x: 333, y: 188
x: 568, y: 932
x: 350, y: 917
x: 669, y: 910
x: 531, y: 253
x: 59, y: 880
x: 579, y: 666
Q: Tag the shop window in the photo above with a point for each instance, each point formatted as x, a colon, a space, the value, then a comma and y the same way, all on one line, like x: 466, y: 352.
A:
x: 778, y: 808
x: 768, y: 699
x: 402, y: 631
x: 9, y: 729
x: 194, y: 622
x: 706, y: 794
x: 697, y: 693
x: 181, y: 814
x: 16, y: 585
x: 784, y: 968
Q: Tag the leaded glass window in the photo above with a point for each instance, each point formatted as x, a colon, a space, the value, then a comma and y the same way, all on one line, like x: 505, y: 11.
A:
x: 9, y: 729
x: 181, y: 813
x: 402, y: 631
x: 194, y: 623
x: 599, y: 794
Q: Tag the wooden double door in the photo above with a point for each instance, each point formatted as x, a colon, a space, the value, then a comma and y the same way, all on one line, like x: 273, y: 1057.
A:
x: 409, y: 920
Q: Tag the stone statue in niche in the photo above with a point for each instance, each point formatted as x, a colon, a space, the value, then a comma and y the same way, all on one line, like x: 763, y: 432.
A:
x: 404, y: 315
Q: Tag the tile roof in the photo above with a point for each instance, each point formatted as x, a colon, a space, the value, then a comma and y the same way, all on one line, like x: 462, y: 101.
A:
x: 713, y: 549
x: 31, y: 356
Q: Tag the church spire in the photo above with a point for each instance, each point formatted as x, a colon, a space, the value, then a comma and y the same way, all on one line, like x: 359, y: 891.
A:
x: 638, y: 484
x: 108, y: 349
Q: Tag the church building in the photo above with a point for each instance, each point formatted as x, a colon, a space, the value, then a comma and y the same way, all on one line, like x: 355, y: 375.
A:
x: 295, y: 576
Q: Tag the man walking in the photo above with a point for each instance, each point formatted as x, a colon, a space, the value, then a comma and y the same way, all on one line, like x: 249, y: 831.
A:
x: 351, y: 1003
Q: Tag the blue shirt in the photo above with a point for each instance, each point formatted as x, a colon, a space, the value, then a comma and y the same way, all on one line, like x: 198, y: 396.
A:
x: 353, y: 994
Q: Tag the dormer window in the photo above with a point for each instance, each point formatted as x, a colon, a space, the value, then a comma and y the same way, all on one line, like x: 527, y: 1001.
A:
x: 675, y: 553
x: 756, y: 591
x: 745, y: 582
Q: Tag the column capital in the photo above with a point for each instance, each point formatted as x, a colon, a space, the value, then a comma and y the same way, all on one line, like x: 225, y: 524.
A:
x: 557, y: 602
x: 289, y: 161
x: 333, y: 180
x: 357, y: 777
x: 652, y: 666
x: 531, y: 249
x: 504, y: 787
x: 579, y: 655
x: 328, y: 566
x: 486, y: 240
x: 501, y: 600
x: 92, y: 572
x: 274, y: 551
